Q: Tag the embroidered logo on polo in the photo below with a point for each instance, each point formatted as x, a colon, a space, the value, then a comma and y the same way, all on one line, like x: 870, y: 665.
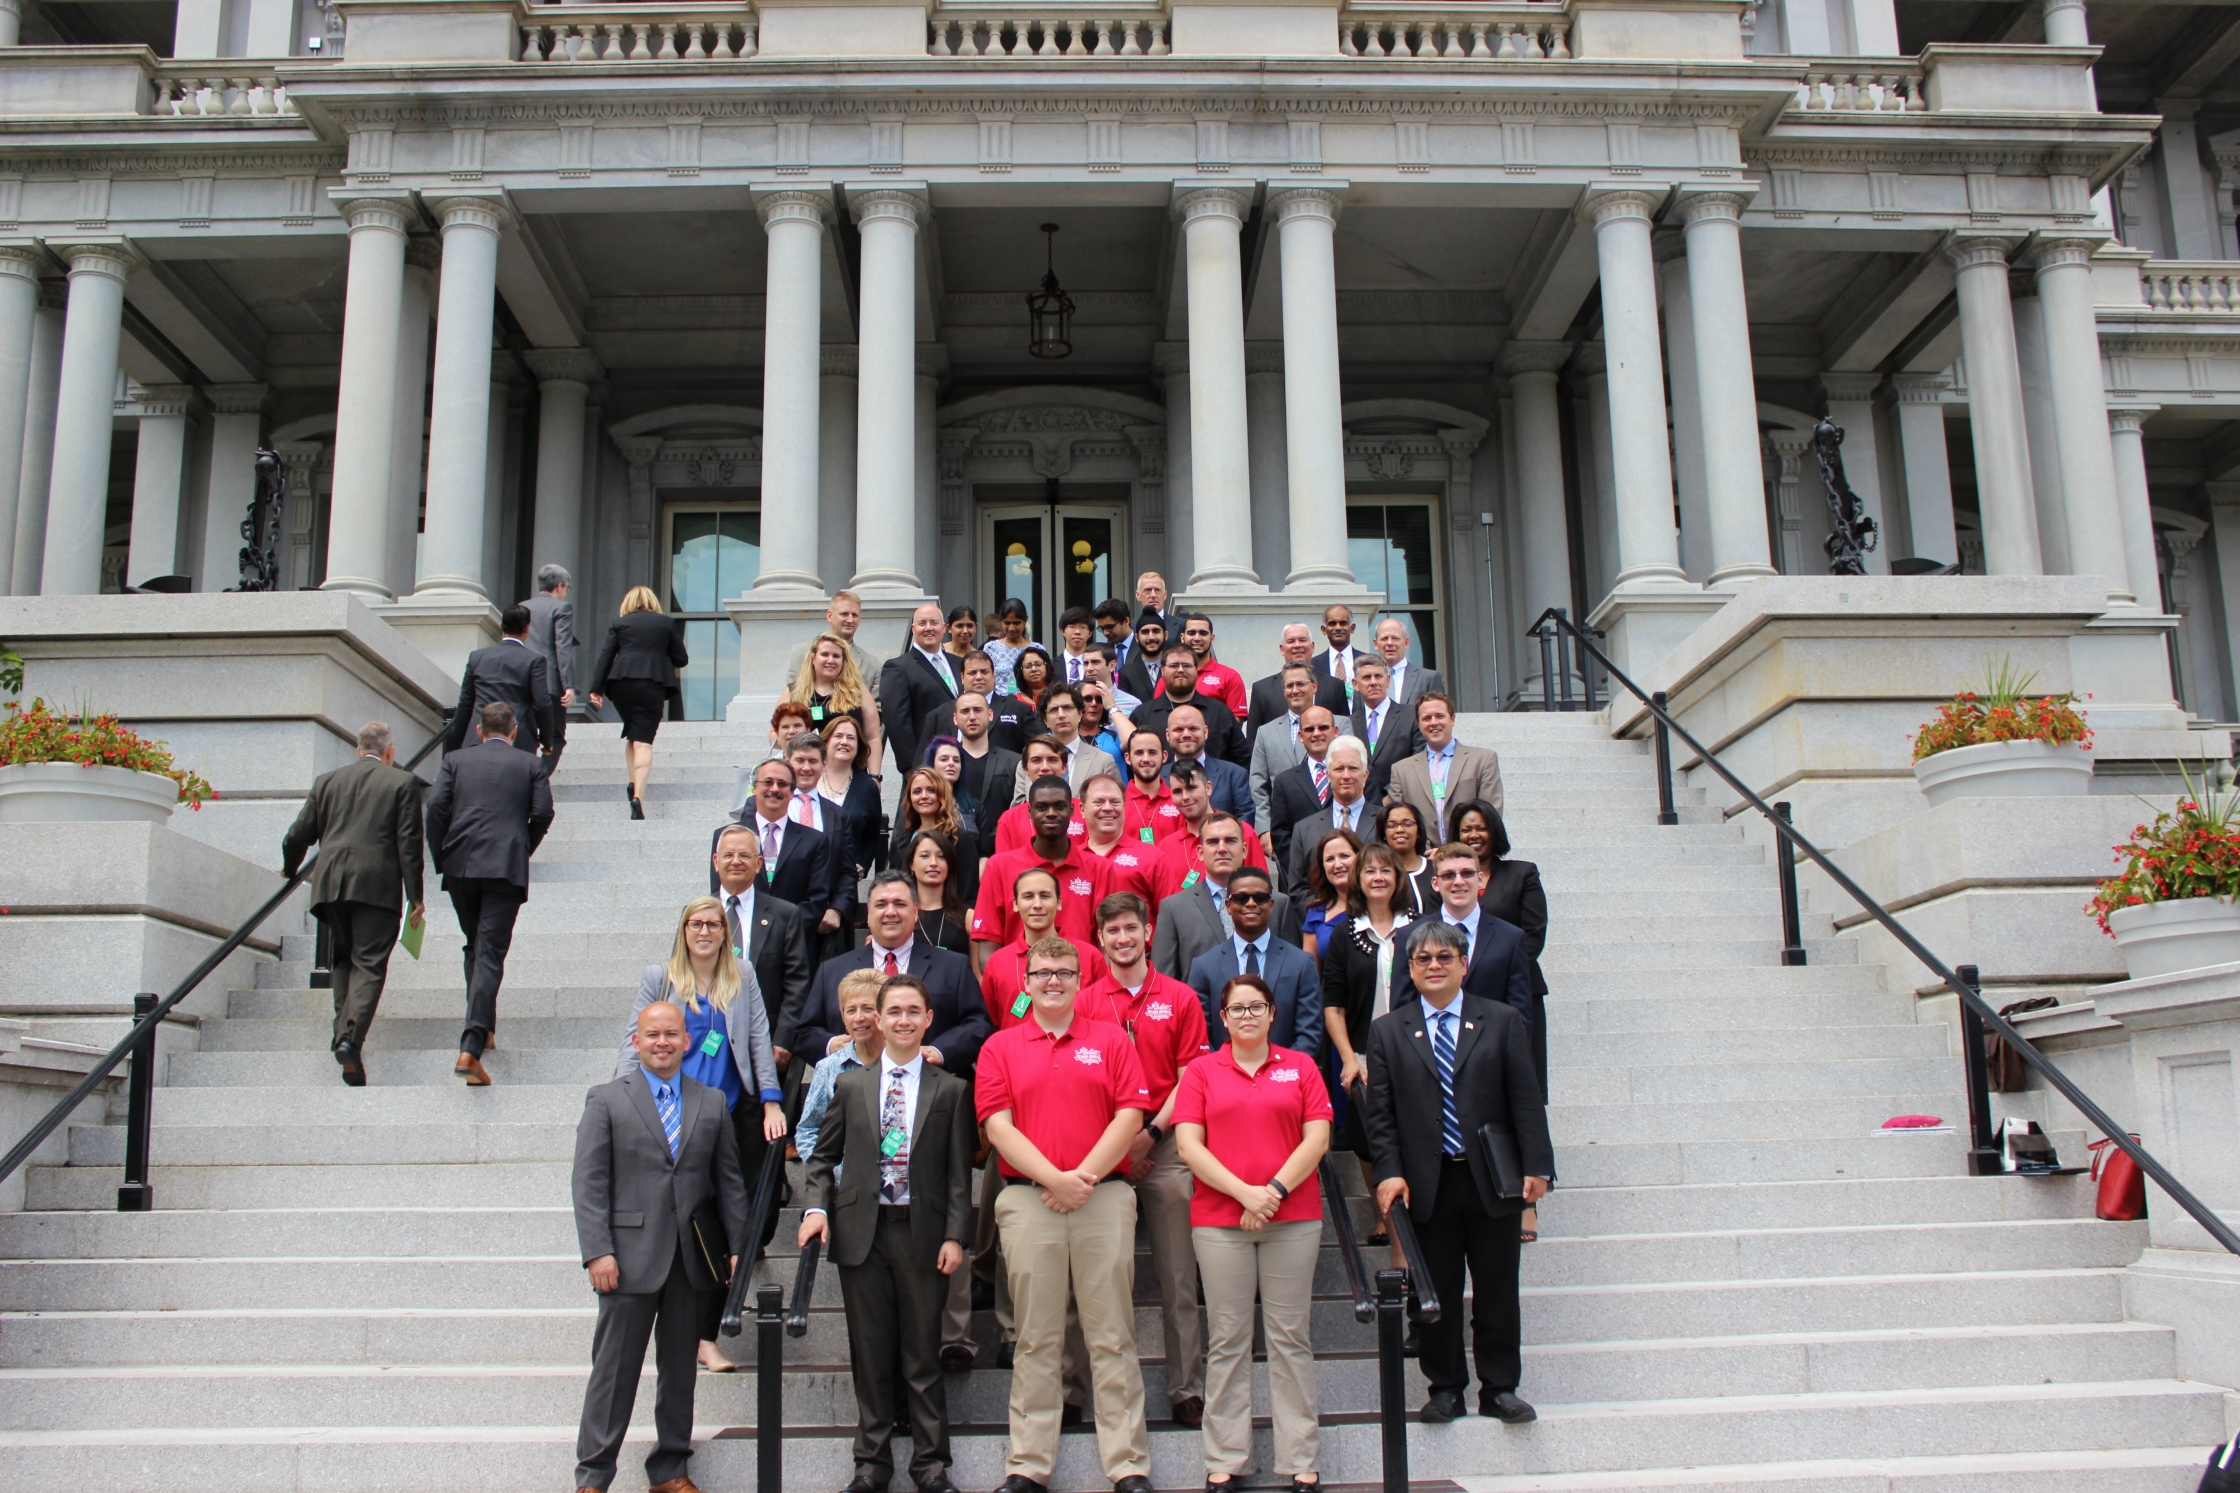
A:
x: 1158, y: 1011
x: 1169, y: 811
x: 1089, y: 1056
x: 1080, y: 886
x: 1284, y: 1075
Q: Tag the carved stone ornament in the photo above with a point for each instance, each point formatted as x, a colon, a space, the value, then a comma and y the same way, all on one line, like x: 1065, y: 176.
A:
x: 1051, y: 430
x: 1389, y: 462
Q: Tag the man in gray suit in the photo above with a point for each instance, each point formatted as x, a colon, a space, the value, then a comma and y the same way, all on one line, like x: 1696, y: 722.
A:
x: 552, y: 637
x: 656, y: 1167
x: 1194, y: 919
x: 508, y: 671
x: 365, y: 819
x: 1409, y: 679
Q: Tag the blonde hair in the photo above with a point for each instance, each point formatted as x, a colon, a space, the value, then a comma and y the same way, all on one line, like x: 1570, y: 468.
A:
x: 640, y: 599
x: 945, y: 820
x: 860, y: 982
x: 847, y: 690
x: 682, y: 983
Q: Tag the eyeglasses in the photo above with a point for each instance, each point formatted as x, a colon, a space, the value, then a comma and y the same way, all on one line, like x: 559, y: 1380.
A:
x: 1457, y: 875
x: 1052, y: 976
x: 702, y: 925
x: 1250, y: 1010
x: 1249, y: 899
x: 1433, y: 961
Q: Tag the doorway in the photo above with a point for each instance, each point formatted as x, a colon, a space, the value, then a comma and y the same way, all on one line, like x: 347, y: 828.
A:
x: 1064, y: 548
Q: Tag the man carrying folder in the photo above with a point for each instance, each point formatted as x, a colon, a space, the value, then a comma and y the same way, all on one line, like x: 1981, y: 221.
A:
x: 1458, y: 1135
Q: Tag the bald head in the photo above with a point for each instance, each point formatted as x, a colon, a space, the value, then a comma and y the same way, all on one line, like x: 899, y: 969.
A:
x: 659, y: 1039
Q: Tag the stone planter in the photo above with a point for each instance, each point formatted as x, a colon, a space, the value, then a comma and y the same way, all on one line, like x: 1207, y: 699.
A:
x: 2163, y: 938
x: 2005, y: 769
x: 47, y: 792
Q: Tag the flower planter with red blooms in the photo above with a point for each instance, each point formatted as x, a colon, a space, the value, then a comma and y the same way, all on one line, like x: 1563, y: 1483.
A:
x: 2003, y: 744
x: 2176, y: 903
x: 58, y: 768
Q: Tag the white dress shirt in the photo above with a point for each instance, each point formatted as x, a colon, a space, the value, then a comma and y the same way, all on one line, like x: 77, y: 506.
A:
x: 1341, y: 664
x: 1468, y: 925
x: 1399, y: 673
x: 879, y: 952
x: 911, y: 1072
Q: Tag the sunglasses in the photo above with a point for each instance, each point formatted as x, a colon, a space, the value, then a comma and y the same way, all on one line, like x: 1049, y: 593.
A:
x: 1250, y: 899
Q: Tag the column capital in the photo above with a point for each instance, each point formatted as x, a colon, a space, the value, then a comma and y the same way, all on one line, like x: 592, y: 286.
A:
x: 164, y: 401
x: 1979, y: 250
x: 1204, y: 199
x: 1920, y: 388
x: 900, y: 202
x: 933, y: 360
x: 2060, y: 248
x: 1591, y: 360
x: 575, y: 365
x: 792, y: 204
x: 423, y: 252
x: 1534, y: 357
x: 2129, y: 419
x: 373, y: 212
x: 236, y: 399
x: 109, y: 254
x: 837, y: 360
x: 1618, y: 202
x: 1847, y: 388
x: 1307, y: 199
x: 22, y: 258
x: 470, y: 207
x: 1705, y: 201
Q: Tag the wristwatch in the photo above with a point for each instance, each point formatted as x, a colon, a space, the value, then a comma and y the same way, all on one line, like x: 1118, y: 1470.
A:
x: 1156, y: 1131
x: 1280, y: 1190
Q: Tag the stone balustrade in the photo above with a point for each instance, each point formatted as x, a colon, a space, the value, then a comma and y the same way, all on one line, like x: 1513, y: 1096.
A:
x: 1842, y: 86
x: 637, y: 33
x: 1531, y: 31
x: 1134, y: 32
x: 2190, y: 288
x: 195, y: 89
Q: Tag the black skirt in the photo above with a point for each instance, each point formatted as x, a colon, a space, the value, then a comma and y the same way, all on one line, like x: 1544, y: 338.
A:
x: 642, y: 703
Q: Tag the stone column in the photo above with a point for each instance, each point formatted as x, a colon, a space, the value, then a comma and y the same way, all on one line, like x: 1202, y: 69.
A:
x: 459, y: 420
x: 366, y: 402
x: 1171, y: 360
x: 1220, y: 468
x: 1314, y: 447
x: 1599, y: 495
x: 156, y: 474
x: 409, y: 450
x: 11, y: 21
x: 499, y: 516
x: 933, y: 370
x: 1648, y: 547
x: 1267, y: 460
x: 1726, y: 384
x: 20, y: 263
x: 1546, y: 542
x: 38, y: 441
x: 2134, y: 505
x: 78, y: 491
x: 2037, y: 425
x: 2088, y: 473
x: 236, y: 422
x: 836, y: 464
x: 564, y: 378
x: 1850, y: 402
x: 886, y: 390
x: 793, y: 222
x: 2003, y: 492
x: 1928, y: 467
x: 1687, y: 403
x: 2189, y: 218
x: 2065, y: 24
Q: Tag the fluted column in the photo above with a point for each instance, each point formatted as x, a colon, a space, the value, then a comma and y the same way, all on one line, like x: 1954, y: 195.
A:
x: 1220, y: 467
x: 157, y: 470
x: 1726, y: 384
x: 1648, y: 546
x: 564, y: 379
x: 933, y: 372
x: 459, y: 418
x: 1314, y: 446
x: 1928, y: 465
x: 11, y: 22
x: 2080, y: 423
x: 366, y: 401
x: 2134, y: 506
x: 1670, y: 247
x: 2003, y: 492
x: 20, y: 263
x: 38, y: 440
x: 78, y: 490
x: 409, y: 449
x: 836, y: 462
x: 237, y: 419
x: 792, y: 346
x: 887, y: 219
x: 1532, y: 369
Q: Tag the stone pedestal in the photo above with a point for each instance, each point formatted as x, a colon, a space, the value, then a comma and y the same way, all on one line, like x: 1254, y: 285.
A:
x: 1646, y: 620
x: 446, y: 626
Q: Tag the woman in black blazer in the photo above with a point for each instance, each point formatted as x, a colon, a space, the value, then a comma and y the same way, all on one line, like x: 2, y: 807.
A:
x: 1513, y: 894
x: 638, y: 670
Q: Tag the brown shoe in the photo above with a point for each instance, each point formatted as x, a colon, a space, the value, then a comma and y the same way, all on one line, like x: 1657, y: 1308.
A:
x: 1190, y: 1410
x: 469, y: 1068
x: 674, y: 1485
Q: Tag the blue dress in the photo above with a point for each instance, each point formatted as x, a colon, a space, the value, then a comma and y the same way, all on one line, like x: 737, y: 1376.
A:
x: 708, y: 1057
x: 1318, y: 925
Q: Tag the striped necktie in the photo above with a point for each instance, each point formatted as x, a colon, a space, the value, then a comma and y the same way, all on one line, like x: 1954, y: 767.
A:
x: 1442, y: 1049
x: 665, y: 1104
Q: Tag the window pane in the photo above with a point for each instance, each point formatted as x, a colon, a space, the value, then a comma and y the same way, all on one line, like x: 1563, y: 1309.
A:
x: 698, y: 678
x: 1016, y: 564
x: 1421, y: 649
x: 727, y: 666
x: 741, y: 558
x: 1408, y: 532
x: 1365, y: 548
x: 694, y: 555
x: 1088, y: 561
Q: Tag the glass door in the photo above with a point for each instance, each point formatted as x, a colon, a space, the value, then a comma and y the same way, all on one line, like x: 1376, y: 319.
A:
x: 1390, y: 543
x: 1051, y: 556
x: 711, y: 551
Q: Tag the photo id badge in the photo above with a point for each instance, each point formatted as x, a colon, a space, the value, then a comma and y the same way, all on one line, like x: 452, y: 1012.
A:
x: 890, y: 1144
x: 712, y: 1043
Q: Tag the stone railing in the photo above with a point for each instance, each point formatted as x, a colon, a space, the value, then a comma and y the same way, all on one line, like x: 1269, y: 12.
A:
x: 636, y: 33
x: 2190, y: 288
x: 1844, y: 86
x: 199, y: 89
x: 1525, y: 31
x: 1120, y: 32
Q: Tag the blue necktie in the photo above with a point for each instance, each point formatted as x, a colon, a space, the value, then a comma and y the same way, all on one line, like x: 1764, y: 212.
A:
x: 1442, y: 1049
x: 665, y: 1105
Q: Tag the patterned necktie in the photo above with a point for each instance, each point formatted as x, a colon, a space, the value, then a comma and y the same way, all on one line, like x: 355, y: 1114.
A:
x: 1321, y: 784
x: 894, y: 1142
x: 891, y: 970
x: 1442, y: 1049
x: 803, y: 811
x: 665, y: 1105
x: 1221, y: 908
x: 1252, y: 958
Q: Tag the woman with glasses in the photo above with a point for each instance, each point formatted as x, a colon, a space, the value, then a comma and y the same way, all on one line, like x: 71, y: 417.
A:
x: 1400, y: 826
x: 1252, y: 1122
x: 727, y: 1047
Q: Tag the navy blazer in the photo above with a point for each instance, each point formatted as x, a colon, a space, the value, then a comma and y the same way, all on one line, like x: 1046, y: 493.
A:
x: 808, y: 873
x: 1500, y: 966
x: 487, y: 814
x: 960, y: 1013
x: 1290, y: 973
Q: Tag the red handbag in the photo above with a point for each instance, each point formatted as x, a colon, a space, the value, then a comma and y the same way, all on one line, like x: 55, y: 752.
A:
x: 2123, y: 1187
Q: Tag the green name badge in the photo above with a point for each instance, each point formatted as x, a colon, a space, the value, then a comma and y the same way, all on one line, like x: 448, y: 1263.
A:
x: 1146, y: 833
x: 712, y: 1043
x: 890, y: 1144
x: 1019, y: 1006
x: 816, y: 712
x: 1190, y: 881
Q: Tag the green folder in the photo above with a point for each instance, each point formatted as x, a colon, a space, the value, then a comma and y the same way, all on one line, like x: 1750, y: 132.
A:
x: 412, y: 935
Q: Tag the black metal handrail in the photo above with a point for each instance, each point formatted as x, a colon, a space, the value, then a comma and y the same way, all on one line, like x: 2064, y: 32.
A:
x: 804, y: 1286
x: 758, y: 1213
x: 1340, y: 1213
x: 1971, y: 1000
x: 1419, y: 1271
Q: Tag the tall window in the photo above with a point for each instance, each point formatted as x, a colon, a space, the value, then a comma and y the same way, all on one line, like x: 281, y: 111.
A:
x: 714, y: 552
x: 1391, y: 544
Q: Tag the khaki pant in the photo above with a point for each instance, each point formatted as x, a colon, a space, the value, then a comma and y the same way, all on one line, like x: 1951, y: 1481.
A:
x: 1085, y: 1258
x: 1163, y: 1196
x: 1276, y: 1262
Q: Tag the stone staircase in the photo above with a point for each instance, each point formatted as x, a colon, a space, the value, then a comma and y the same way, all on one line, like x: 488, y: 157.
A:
x: 1739, y: 1284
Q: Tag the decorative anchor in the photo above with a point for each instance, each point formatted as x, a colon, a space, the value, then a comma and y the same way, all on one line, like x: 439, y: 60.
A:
x: 260, y: 557
x: 1855, y: 534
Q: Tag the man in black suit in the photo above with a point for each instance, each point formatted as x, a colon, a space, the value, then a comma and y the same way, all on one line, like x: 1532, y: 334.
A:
x: 1382, y: 724
x: 1337, y: 660
x: 365, y: 819
x: 1267, y: 702
x: 1178, y: 686
x: 1349, y: 808
x: 1189, y: 741
x: 1500, y: 963
x: 490, y: 809
x: 958, y: 1016
x: 1139, y: 672
x: 905, y: 1131
x: 1012, y: 720
x: 508, y: 670
x: 914, y: 683
x: 766, y: 933
x: 1441, y: 1068
x: 991, y: 770
x: 800, y: 865
x: 1303, y: 787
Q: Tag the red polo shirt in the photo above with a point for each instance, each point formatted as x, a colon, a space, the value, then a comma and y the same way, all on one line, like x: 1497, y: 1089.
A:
x: 1151, y: 811
x: 1179, y: 856
x: 1083, y: 881
x: 1130, y: 861
x: 1164, y: 1019
x: 1253, y: 1123
x: 1225, y: 684
x: 1004, y: 979
x: 1015, y: 827
x: 1062, y: 1091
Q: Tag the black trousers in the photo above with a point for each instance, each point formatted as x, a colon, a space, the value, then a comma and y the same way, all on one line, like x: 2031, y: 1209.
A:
x: 894, y: 1351
x: 1462, y: 1231
x: 486, y: 908
x: 618, y: 1357
x: 363, y: 938
x: 746, y: 1125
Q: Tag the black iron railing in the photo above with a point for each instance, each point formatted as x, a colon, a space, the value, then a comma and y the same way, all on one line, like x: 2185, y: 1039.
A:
x: 1340, y: 1214
x: 1977, y: 1017
x: 774, y: 1322
x: 1389, y: 1306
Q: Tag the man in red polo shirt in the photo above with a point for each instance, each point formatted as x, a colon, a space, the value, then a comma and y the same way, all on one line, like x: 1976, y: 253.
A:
x: 1182, y: 856
x: 1215, y: 678
x: 1168, y: 1026
x: 1061, y: 1096
x: 1152, y: 815
x: 1083, y: 879
x: 1003, y: 982
x: 1015, y: 826
x: 1104, y: 810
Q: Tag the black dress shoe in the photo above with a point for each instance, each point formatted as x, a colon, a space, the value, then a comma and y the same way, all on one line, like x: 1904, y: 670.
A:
x: 1132, y: 1485
x: 1018, y: 1483
x: 957, y: 1358
x: 938, y: 1483
x: 1072, y: 1415
x: 1411, y: 1346
x: 1190, y: 1410
x: 1005, y: 1355
x: 863, y: 1483
x: 1503, y: 1405
x: 353, y: 1066
x: 1443, y: 1406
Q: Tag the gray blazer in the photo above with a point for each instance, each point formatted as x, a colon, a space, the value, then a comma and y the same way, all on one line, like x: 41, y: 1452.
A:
x: 1274, y: 752
x: 552, y: 637
x: 1189, y: 924
x: 748, y: 1022
x: 633, y: 1202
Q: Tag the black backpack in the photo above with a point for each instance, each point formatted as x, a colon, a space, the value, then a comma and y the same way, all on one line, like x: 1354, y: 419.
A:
x: 2223, y: 1475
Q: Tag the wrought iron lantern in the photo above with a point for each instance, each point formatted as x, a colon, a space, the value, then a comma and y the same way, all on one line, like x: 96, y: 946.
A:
x: 1050, y: 309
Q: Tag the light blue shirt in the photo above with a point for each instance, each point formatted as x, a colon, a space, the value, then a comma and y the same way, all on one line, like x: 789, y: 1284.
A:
x: 822, y: 1080
x: 1468, y: 924
x: 662, y: 1086
x: 1260, y: 943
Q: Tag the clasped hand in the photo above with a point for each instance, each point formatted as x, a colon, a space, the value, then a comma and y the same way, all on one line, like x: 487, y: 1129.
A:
x: 1069, y: 1191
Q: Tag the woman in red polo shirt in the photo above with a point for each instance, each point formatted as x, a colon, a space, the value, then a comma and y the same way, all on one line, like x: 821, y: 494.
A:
x: 1251, y: 1122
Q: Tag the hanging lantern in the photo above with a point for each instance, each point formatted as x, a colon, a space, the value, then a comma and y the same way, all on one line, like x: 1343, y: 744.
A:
x: 1050, y: 309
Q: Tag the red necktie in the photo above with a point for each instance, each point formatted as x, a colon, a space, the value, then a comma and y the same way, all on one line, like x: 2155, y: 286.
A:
x: 891, y: 970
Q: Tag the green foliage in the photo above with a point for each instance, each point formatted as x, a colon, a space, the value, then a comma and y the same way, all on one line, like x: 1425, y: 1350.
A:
x: 37, y: 734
